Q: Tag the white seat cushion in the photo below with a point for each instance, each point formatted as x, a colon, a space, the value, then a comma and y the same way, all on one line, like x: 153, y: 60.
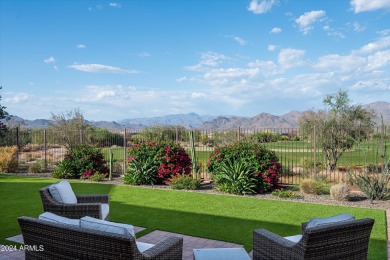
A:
x: 48, y: 216
x: 105, y: 208
x: 322, y: 221
x: 107, y: 226
x: 295, y: 238
x: 62, y: 192
x: 143, y: 246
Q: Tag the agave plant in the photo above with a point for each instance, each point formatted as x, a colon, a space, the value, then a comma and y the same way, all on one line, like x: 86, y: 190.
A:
x: 235, y: 177
x: 141, y: 172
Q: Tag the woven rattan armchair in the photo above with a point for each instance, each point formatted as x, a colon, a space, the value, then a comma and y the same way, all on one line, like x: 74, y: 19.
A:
x: 340, y: 240
x: 87, y: 205
x: 62, y: 241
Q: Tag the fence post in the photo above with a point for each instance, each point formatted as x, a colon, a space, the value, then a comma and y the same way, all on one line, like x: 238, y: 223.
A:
x: 44, y: 147
x: 176, y: 135
x: 81, y: 136
x: 238, y: 133
x: 124, y: 151
x: 17, y: 137
x: 315, y: 151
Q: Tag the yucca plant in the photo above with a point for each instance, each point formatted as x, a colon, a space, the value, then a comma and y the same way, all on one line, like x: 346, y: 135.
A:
x: 235, y: 177
x: 141, y: 172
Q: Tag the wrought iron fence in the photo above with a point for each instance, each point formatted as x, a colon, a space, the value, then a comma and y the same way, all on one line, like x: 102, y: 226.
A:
x: 301, y: 153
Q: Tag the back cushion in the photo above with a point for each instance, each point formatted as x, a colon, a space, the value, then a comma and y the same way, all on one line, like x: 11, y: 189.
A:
x: 48, y: 216
x: 107, y: 226
x: 322, y: 221
x: 62, y: 192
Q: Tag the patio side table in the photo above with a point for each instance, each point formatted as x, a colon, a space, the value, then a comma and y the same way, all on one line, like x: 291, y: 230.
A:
x: 221, y: 254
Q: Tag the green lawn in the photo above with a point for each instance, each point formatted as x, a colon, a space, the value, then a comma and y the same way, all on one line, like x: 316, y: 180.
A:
x: 228, y: 218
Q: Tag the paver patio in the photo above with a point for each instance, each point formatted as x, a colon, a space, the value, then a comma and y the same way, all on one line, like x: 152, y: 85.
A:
x: 189, y: 243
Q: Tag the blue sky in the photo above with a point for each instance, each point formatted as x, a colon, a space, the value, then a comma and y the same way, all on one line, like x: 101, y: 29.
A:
x: 144, y: 58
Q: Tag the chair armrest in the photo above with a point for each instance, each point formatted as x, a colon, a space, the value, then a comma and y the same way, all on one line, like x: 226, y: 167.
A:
x: 76, y: 211
x: 267, y: 245
x: 303, y: 226
x: 92, y: 198
x: 169, y: 248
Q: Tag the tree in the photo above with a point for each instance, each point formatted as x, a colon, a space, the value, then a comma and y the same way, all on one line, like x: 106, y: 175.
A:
x: 3, y: 115
x: 69, y: 127
x: 338, y: 127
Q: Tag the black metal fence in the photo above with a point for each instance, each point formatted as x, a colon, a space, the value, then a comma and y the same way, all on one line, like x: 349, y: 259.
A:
x: 301, y: 153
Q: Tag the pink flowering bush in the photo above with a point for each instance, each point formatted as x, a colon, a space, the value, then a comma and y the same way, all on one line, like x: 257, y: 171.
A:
x: 160, y: 161
x: 81, y: 161
x: 262, y: 169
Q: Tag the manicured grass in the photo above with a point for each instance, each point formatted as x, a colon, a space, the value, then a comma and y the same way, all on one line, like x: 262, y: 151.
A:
x: 228, y: 218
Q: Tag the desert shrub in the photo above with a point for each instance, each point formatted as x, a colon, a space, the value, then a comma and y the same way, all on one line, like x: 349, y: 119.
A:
x: 37, y: 167
x: 164, y: 160
x: 282, y: 193
x: 98, y: 176
x: 265, y: 137
x: 184, y: 182
x: 340, y: 192
x: 374, y: 185
x: 82, y: 159
x: 63, y: 170
x: 263, y: 163
x: 9, y: 159
x: 312, y: 186
x: 235, y: 177
x: 308, y: 165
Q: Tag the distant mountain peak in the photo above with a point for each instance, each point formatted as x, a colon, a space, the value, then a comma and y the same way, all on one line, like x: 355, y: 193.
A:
x: 193, y: 120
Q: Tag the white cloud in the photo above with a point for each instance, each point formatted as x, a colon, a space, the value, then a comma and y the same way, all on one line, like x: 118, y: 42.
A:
x: 369, y: 5
x: 306, y: 21
x: 198, y: 95
x: 81, y: 46
x: 378, y: 60
x: 380, y: 44
x: 49, y: 60
x: 240, y: 41
x: 332, y: 32
x: 357, y: 27
x: 289, y: 58
x: 182, y: 79
x: 208, y: 59
x: 276, y: 30
x: 271, y: 47
x: 339, y: 63
x: 144, y: 54
x: 14, y: 98
x: 263, y: 7
x: 115, y: 5
x: 99, y: 68
x: 384, y: 32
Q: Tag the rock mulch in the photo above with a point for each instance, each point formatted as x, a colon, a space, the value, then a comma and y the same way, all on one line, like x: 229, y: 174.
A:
x: 357, y: 198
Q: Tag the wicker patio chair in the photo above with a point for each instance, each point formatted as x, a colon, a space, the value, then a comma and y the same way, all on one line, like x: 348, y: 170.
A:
x: 340, y: 240
x: 87, y: 205
x: 62, y: 241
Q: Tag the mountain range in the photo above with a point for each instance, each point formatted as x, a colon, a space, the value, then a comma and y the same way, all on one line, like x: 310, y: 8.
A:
x: 192, y: 120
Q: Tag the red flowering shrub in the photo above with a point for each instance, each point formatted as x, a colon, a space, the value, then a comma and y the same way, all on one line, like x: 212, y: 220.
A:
x: 169, y: 159
x: 81, y: 161
x: 262, y: 162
